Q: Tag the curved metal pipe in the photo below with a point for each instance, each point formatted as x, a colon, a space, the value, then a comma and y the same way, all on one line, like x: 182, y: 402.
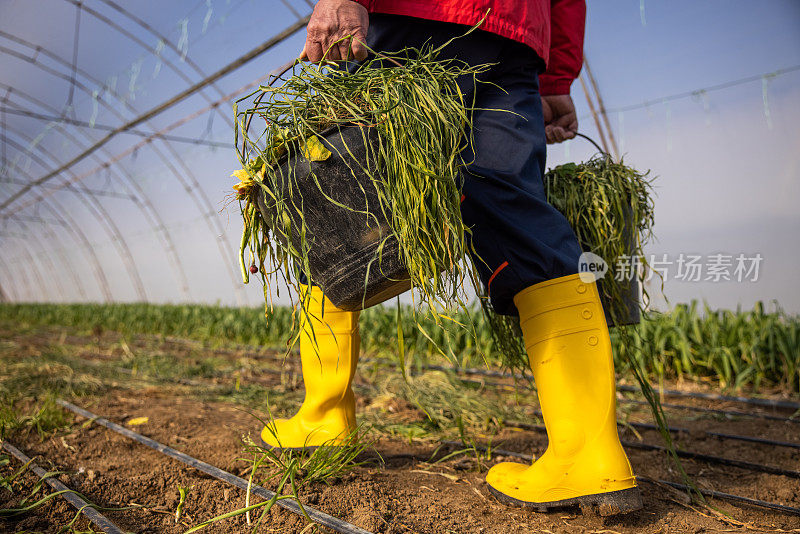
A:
x: 45, y: 258
x: 63, y: 216
x: 142, y: 201
x: 97, y: 210
x: 192, y: 187
x: 34, y: 268
x: 11, y: 287
x: 65, y: 259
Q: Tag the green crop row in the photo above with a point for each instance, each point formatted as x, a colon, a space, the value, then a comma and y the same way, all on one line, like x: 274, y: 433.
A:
x: 747, y: 348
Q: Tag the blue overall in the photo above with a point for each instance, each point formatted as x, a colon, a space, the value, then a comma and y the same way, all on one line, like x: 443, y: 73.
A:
x: 519, y: 237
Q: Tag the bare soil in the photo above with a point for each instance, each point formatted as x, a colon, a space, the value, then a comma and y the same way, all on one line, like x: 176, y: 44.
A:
x: 397, y: 490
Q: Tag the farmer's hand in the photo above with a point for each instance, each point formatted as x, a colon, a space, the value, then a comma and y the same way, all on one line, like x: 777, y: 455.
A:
x: 560, y: 119
x: 338, y: 27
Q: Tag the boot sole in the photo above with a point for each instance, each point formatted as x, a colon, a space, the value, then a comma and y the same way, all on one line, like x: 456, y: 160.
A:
x: 603, y: 504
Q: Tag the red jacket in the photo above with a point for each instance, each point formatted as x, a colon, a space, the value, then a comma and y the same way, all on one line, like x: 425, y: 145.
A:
x: 553, y: 28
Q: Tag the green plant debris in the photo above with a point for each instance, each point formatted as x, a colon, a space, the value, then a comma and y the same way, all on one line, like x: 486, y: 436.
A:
x: 182, y: 493
x: 290, y: 471
x: 28, y: 388
x: 412, y: 102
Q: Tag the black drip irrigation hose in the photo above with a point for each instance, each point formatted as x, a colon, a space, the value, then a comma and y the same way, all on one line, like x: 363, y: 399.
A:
x: 101, y: 521
x: 699, y: 409
x: 644, y: 426
x: 337, y: 525
x: 708, y: 458
x: 708, y: 493
x: 754, y: 401
x: 720, y: 435
x: 716, y: 411
x: 725, y: 496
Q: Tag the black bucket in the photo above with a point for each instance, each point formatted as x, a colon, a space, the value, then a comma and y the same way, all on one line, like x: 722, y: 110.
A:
x: 344, y: 241
x: 630, y: 289
x: 630, y: 312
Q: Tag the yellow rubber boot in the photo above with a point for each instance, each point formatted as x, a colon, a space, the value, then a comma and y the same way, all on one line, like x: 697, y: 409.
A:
x: 569, y: 351
x: 329, y: 345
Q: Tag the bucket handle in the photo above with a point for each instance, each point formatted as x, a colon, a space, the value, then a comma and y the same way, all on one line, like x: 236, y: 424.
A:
x: 592, y: 141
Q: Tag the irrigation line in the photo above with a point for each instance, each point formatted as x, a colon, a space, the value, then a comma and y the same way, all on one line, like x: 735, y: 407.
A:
x: 721, y: 435
x: 717, y: 411
x: 708, y: 493
x: 768, y: 403
x: 643, y: 426
x: 337, y: 525
x: 709, y: 458
x: 754, y: 401
x: 724, y: 496
x: 162, y: 107
x: 71, y: 496
x: 500, y: 374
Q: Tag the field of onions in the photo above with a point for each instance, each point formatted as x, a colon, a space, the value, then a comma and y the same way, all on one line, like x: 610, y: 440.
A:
x: 754, y: 349
x: 149, y: 413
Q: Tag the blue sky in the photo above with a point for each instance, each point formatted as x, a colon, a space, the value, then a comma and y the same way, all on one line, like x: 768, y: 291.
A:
x: 727, y: 174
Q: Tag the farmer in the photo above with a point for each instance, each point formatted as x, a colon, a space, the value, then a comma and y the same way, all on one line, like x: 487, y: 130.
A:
x: 535, y: 47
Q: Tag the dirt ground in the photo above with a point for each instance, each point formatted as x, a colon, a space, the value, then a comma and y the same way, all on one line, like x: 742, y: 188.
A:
x: 397, y: 489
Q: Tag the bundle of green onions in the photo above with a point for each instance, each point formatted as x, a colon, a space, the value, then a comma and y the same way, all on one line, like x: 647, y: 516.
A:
x: 609, y: 206
x: 413, y: 103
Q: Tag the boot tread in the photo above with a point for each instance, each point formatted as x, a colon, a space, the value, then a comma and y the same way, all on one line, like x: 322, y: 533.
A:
x: 603, y: 504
